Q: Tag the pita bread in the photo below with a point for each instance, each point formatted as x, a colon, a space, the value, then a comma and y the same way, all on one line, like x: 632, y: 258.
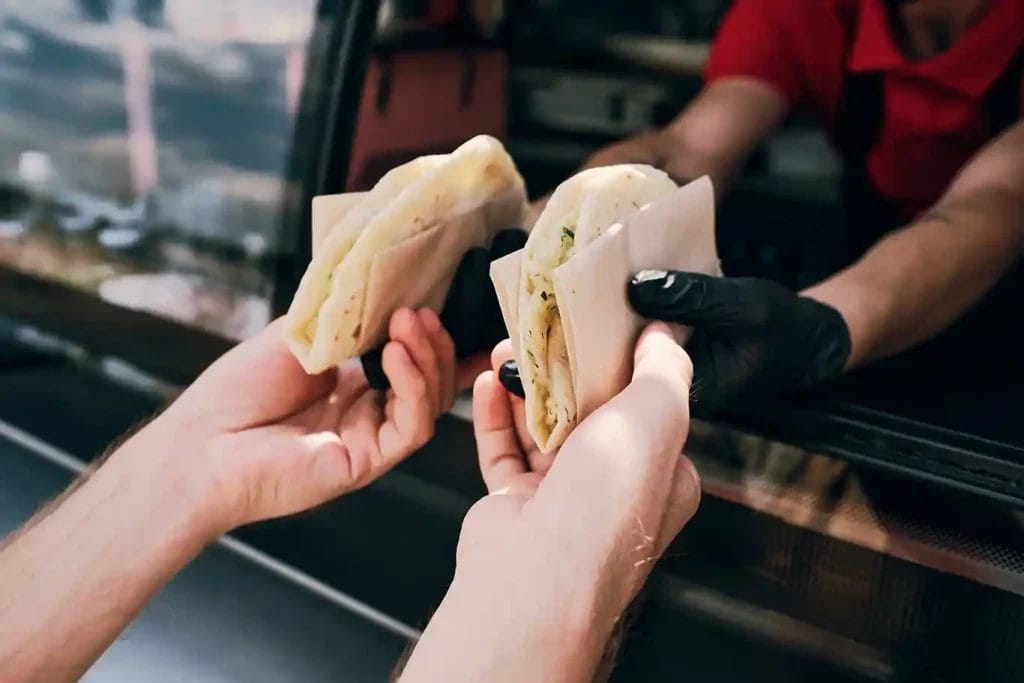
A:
x: 564, y: 298
x: 397, y: 245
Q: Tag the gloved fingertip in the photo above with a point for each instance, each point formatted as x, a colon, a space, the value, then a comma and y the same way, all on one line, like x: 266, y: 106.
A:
x: 373, y: 368
x: 508, y: 375
x: 647, y: 288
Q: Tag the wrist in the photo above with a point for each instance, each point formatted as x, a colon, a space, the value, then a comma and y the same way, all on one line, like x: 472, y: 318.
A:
x: 172, y: 466
x: 560, y: 623
x: 857, y: 311
x: 86, y: 567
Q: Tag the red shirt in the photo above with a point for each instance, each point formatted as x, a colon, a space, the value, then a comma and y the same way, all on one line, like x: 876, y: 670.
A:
x: 934, y: 117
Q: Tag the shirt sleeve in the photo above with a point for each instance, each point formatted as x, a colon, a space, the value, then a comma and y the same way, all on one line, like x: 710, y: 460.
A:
x: 753, y: 41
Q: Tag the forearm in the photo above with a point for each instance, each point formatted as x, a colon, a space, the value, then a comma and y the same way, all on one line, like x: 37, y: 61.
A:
x: 671, y: 151
x: 76, y: 578
x: 482, y: 632
x: 713, y: 136
x: 918, y: 280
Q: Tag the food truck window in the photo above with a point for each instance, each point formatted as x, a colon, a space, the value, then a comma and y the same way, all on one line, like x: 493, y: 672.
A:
x: 143, y: 148
x: 557, y: 80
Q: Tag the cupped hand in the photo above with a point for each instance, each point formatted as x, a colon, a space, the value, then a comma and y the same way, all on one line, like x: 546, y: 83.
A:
x: 610, y: 502
x: 271, y: 440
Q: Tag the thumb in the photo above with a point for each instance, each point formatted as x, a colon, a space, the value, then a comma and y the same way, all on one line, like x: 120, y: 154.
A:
x: 279, y: 470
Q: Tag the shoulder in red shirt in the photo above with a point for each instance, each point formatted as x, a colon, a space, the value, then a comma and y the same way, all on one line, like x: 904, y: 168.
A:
x: 934, y: 117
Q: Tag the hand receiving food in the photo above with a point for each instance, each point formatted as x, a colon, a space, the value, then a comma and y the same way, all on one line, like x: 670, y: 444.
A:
x: 619, y: 489
x: 549, y: 560
x: 271, y: 440
x: 751, y: 338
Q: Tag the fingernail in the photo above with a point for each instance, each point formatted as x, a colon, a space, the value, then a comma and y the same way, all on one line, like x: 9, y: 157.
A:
x: 508, y: 375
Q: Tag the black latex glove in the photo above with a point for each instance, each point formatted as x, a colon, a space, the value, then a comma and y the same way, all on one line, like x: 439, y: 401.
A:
x: 752, y: 338
x: 471, y: 313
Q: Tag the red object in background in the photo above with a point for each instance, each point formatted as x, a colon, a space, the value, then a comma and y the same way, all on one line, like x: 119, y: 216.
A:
x: 934, y: 118
x: 425, y: 102
x: 441, y: 12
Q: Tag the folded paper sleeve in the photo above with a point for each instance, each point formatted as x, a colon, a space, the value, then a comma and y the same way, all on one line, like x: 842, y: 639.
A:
x: 601, y: 329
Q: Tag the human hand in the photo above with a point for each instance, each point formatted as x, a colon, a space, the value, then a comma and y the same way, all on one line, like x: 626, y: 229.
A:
x: 552, y: 556
x: 752, y: 337
x: 266, y: 440
x: 253, y: 437
x: 621, y: 466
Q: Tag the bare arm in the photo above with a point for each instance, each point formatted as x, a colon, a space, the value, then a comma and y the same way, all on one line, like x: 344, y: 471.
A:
x: 238, y: 446
x: 713, y: 135
x: 84, y: 570
x: 918, y: 280
x: 550, y: 559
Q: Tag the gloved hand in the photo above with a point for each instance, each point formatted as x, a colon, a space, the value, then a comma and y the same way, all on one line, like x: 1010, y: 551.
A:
x: 752, y: 338
x: 471, y: 313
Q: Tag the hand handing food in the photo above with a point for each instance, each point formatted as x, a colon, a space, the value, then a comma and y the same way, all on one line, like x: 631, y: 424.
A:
x: 752, y: 337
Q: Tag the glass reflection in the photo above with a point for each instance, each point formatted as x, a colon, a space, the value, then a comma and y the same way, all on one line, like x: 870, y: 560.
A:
x: 142, y: 148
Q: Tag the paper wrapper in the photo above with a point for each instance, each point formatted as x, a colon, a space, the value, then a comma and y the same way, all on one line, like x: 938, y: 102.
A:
x: 417, y: 272
x: 601, y: 329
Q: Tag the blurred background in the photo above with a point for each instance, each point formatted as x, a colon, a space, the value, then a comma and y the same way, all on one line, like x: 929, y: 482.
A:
x: 145, y: 142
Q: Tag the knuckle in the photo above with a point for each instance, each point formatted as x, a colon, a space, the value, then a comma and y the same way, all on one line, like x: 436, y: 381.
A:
x: 418, y: 388
x: 421, y: 431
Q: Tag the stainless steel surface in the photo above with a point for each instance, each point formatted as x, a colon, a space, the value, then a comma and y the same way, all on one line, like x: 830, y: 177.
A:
x: 789, y: 634
x: 226, y: 617
x: 829, y: 496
